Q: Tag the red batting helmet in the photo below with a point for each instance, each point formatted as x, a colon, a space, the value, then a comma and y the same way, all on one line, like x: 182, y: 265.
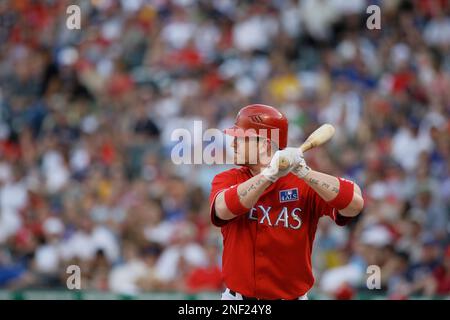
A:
x: 259, y: 120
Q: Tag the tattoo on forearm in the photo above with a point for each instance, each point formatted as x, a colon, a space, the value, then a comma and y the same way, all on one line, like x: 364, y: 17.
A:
x: 242, y: 194
x: 253, y: 186
x: 326, y: 185
x: 256, y: 184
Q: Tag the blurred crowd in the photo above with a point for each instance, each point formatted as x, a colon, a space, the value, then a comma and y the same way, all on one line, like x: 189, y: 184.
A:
x: 86, y: 118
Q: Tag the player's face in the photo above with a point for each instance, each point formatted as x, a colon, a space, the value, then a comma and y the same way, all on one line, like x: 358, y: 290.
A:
x: 245, y: 150
x: 250, y: 151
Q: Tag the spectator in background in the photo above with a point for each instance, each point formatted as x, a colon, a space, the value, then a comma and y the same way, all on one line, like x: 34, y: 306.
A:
x: 441, y: 275
x: 181, y: 256
x: 136, y: 273
x: 208, y: 277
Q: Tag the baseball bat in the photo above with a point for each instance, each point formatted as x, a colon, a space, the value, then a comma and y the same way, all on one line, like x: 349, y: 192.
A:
x: 315, y: 139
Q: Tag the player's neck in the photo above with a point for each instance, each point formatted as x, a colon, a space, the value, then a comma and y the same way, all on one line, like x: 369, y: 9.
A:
x: 255, y: 169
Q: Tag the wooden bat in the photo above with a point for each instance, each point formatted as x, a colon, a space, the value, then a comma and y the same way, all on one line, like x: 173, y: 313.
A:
x: 315, y: 139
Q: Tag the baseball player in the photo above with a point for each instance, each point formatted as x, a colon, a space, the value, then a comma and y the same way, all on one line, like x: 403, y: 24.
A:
x: 268, y: 217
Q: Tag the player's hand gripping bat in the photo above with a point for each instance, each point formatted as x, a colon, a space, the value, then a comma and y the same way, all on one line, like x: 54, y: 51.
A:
x: 315, y: 139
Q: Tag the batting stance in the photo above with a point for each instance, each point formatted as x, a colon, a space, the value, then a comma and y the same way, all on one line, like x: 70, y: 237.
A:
x: 268, y: 217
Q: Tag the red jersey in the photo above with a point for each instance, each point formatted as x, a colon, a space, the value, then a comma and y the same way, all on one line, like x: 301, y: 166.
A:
x: 267, y: 252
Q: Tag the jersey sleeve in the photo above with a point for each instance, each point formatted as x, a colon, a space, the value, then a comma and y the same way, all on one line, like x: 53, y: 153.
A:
x: 324, y: 209
x: 220, y: 182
